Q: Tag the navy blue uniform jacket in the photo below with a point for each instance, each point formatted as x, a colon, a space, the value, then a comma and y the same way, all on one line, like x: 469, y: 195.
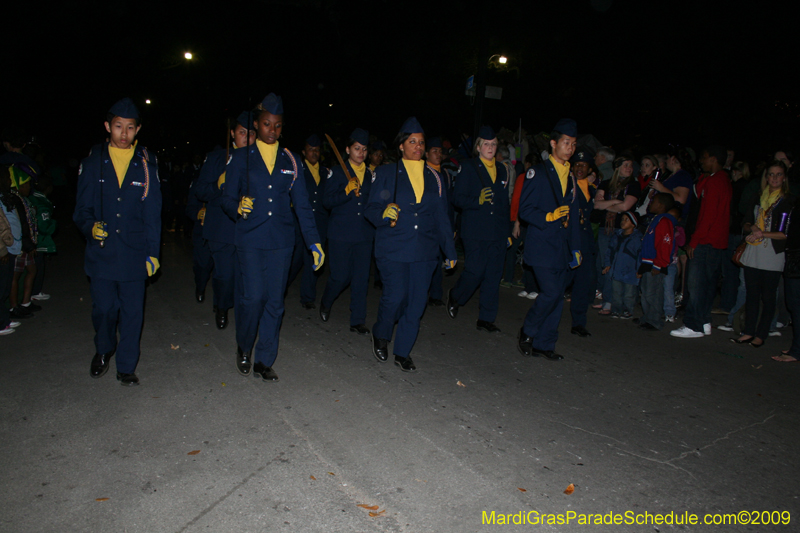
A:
x: 347, y: 222
x: 315, y: 196
x: 132, y: 213
x: 270, y: 226
x: 490, y: 221
x: 422, y: 228
x: 218, y: 226
x: 548, y: 244
x: 588, y: 244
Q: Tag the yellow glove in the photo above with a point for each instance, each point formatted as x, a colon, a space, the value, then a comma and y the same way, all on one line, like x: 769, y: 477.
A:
x: 152, y: 265
x: 576, y: 258
x: 391, y: 212
x: 221, y: 181
x: 245, y: 205
x: 201, y: 215
x: 318, y: 255
x: 486, y: 195
x: 558, y: 213
x: 509, y: 243
x: 450, y: 263
x: 352, y: 185
x: 99, y: 231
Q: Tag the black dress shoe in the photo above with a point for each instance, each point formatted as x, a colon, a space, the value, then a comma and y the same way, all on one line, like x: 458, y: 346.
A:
x: 487, y: 326
x: 324, y: 314
x: 128, y: 380
x: 636, y: 321
x: 405, y: 363
x: 243, y: 362
x: 361, y: 329
x: 524, y: 343
x: 647, y: 326
x: 222, y: 318
x: 309, y: 305
x: 435, y: 302
x: 200, y: 296
x: 266, y: 372
x: 100, y: 364
x: 380, y: 348
x: 452, y: 306
x: 550, y: 354
x: 580, y: 331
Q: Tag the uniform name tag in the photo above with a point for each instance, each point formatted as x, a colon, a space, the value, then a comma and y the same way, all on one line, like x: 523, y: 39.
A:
x: 137, y: 184
x: 285, y: 171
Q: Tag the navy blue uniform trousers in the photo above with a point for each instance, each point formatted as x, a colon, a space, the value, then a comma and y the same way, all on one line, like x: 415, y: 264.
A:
x: 225, y: 273
x: 541, y: 322
x: 262, y: 284
x: 483, y: 267
x: 202, y: 262
x: 349, y: 262
x: 403, y: 301
x: 118, y: 304
x: 583, y: 287
x: 436, y: 291
x: 303, y: 261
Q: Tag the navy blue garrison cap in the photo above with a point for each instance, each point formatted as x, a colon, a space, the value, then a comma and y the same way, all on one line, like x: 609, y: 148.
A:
x: 435, y: 142
x: 125, y: 108
x: 411, y: 125
x: 377, y: 145
x: 583, y: 155
x: 487, y: 133
x: 313, y: 141
x: 567, y: 126
x: 360, y: 136
x: 245, y: 120
x: 272, y: 103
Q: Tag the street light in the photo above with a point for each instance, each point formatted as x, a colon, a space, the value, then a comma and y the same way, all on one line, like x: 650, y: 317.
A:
x: 147, y: 101
x: 503, y: 60
x: 188, y: 55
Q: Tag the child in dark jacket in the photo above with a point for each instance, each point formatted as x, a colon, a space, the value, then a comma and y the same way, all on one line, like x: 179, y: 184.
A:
x: 658, y: 245
x: 622, y: 260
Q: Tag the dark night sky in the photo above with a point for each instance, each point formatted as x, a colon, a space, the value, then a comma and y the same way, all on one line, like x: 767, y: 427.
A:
x: 633, y: 73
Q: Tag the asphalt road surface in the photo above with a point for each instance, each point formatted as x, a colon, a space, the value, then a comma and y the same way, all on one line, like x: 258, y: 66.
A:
x: 635, y: 422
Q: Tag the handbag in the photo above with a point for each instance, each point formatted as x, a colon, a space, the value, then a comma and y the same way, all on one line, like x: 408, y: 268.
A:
x: 738, y: 253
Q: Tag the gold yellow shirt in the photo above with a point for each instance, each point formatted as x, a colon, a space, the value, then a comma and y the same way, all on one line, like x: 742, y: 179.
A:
x: 121, y: 159
x: 437, y: 168
x: 269, y: 153
x: 490, y: 168
x: 416, y: 175
x: 359, y: 170
x: 563, y: 173
x: 314, y: 171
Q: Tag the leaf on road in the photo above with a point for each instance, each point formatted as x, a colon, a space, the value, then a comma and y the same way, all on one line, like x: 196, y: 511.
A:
x: 368, y: 507
x: 313, y: 478
x: 223, y: 384
x: 521, y: 489
x: 206, y: 345
x: 373, y: 515
x: 570, y: 489
x: 175, y: 346
x: 101, y: 499
x: 193, y: 452
x: 331, y: 474
x: 460, y: 384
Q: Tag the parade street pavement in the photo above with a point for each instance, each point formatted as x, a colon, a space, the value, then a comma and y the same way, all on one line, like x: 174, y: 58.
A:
x: 635, y: 422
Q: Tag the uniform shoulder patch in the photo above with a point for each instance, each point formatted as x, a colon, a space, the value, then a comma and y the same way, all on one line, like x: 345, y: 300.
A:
x: 530, y: 174
x: 330, y: 173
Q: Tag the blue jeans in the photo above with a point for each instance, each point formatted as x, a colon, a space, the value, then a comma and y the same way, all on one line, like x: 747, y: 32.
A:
x: 624, y: 296
x: 730, y: 274
x: 669, y: 291
x: 792, y: 286
x: 741, y: 297
x: 653, y: 298
x: 604, y: 284
x: 703, y: 274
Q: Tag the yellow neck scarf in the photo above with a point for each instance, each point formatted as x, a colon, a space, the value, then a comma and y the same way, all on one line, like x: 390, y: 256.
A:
x: 121, y: 158
x: 768, y: 199
x: 269, y: 153
x: 314, y: 171
x: 372, y: 167
x: 359, y: 170
x: 437, y: 168
x: 416, y: 175
x: 490, y: 168
x: 563, y: 173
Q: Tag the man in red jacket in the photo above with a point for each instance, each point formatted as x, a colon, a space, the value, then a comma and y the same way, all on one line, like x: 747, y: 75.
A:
x: 706, y: 249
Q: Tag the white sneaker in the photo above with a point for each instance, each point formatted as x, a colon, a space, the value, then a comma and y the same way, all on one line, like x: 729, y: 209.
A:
x: 522, y: 294
x: 707, y: 329
x: 598, y: 295
x: 726, y: 327
x: 8, y: 331
x: 774, y: 333
x: 13, y: 324
x: 670, y: 318
x: 780, y: 325
x: 532, y: 295
x: 40, y: 296
x: 686, y: 333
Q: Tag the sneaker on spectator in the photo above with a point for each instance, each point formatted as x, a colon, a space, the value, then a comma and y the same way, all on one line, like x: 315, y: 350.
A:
x: 505, y: 284
x: 32, y: 307
x: 670, y: 318
x: 598, y: 295
x: 8, y: 331
x: 686, y: 333
x: 719, y: 311
x: 518, y: 284
x: 780, y: 325
x: 726, y: 327
x: 14, y: 324
x: 40, y: 296
x: 625, y: 316
x: 522, y: 294
x: 707, y: 329
x: 774, y: 333
x: 21, y: 312
x: 532, y: 295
